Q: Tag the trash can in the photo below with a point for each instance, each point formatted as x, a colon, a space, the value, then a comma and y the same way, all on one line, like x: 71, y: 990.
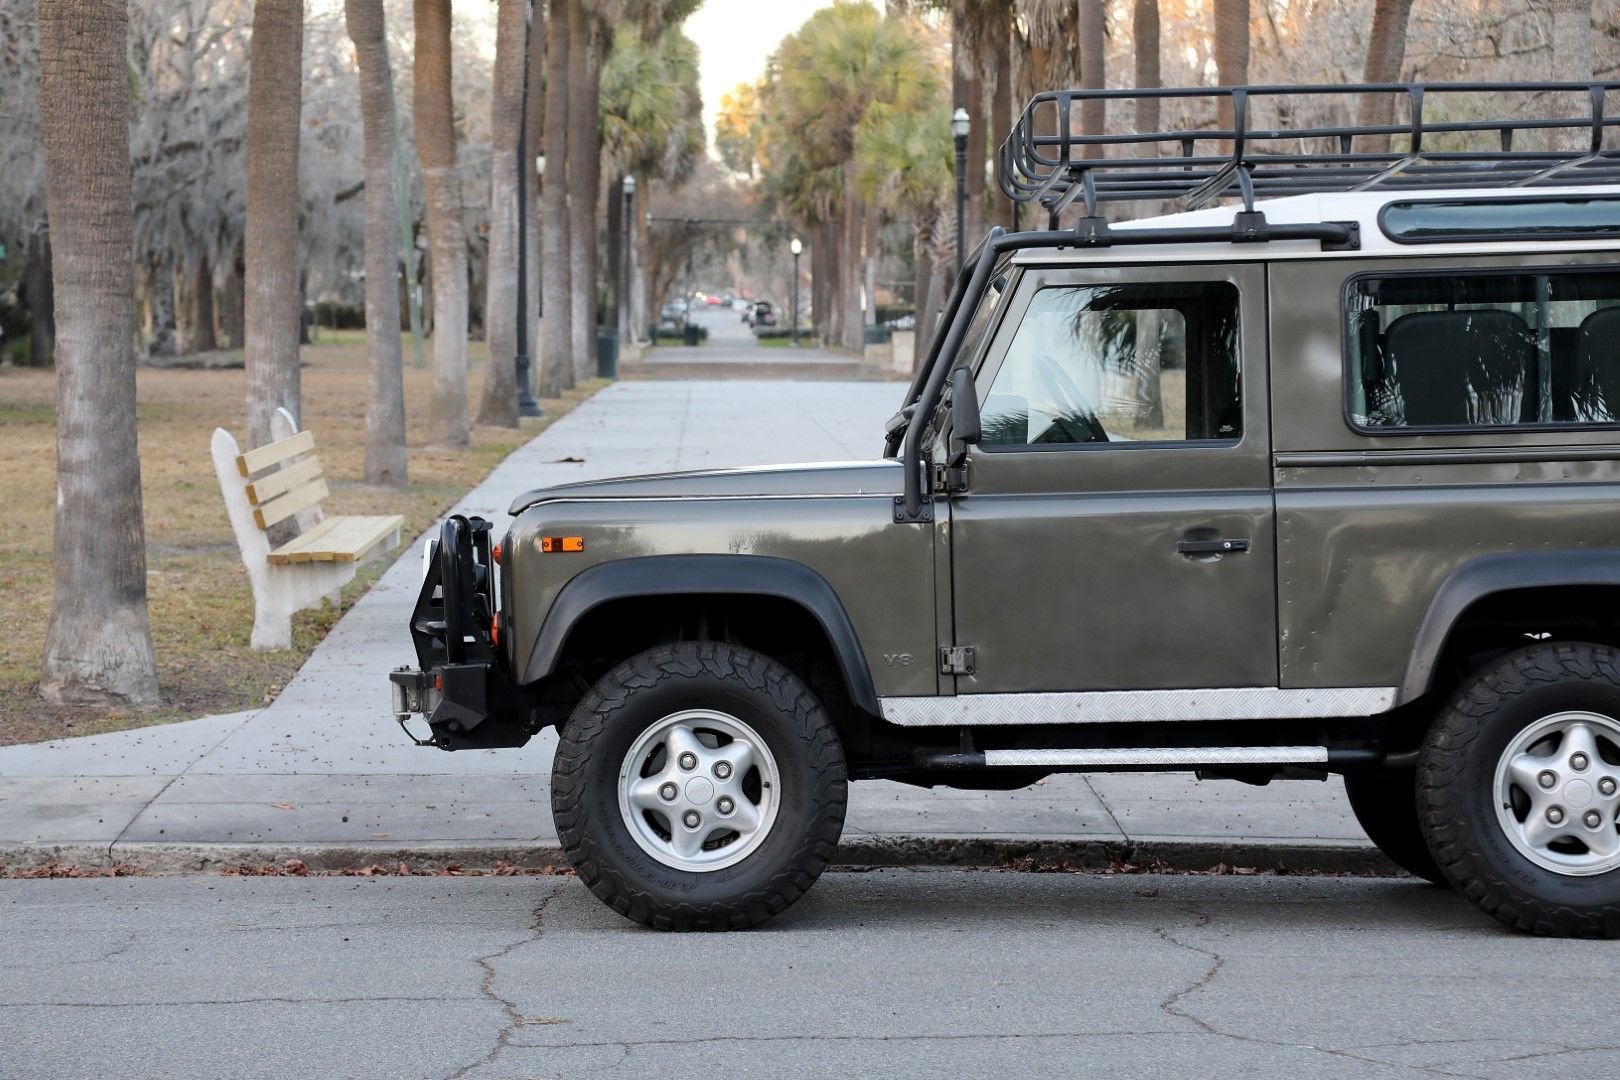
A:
x: 607, y: 352
x: 877, y: 334
x: 652, y: 333
x: 691, y: 334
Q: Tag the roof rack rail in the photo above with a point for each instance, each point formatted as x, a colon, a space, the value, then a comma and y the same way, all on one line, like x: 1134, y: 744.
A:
x: 1297, y: 140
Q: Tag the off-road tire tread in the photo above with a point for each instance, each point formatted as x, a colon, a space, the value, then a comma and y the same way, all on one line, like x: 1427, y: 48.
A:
x: 1440, y: 785
x: 692, y: 660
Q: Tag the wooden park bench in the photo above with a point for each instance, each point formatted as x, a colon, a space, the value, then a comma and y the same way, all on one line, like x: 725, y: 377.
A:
x: 279, y: 482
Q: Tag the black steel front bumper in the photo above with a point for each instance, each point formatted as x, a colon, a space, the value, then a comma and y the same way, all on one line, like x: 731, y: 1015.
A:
x: 462, y: 685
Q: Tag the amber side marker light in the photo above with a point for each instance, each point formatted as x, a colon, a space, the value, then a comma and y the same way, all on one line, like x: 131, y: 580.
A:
x: 495, y: 553
x: 553, y: 544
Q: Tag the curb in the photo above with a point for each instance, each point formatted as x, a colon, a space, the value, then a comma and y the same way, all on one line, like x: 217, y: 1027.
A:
x: 1156, y: 855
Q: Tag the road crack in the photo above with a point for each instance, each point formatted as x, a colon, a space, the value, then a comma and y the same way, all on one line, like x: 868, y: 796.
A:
x: 486, y: 987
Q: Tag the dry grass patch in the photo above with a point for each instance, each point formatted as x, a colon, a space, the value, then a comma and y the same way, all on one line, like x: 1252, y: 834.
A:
x: 202, y: 608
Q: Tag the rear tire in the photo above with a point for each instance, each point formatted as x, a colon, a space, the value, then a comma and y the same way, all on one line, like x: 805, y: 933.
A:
x: 1386, y: 808
x: 699, y: 786
x: 1519, y: 789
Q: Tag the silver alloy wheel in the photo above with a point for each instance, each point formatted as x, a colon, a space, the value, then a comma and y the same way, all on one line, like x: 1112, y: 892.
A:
x: 1558, y: 793
x: 699, y: 790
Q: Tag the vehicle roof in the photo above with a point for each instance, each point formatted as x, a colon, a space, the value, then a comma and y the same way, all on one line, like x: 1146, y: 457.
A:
x: 1361, y: 207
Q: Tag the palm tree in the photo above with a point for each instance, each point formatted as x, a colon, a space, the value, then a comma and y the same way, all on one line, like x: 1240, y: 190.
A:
x: 1231, y: 52
x: 1093, y: 27
x: 1572, y: 56
x: 907, y: 166
x: 1386, y: 47
x: 1145, y: 31
x: 436, y: 146
x: 98, y: 646
x: 556, y: 273
x: 273, y: 311
x: 498, y: 405
x: 385, y: 402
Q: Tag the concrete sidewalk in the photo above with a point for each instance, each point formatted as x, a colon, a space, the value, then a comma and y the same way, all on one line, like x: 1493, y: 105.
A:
x: 325, y: 774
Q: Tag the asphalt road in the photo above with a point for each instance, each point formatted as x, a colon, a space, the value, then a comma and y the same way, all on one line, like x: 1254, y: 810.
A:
x: 894, y: 973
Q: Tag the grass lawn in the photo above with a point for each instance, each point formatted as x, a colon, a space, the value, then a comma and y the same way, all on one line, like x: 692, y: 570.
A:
x: 201, y: 606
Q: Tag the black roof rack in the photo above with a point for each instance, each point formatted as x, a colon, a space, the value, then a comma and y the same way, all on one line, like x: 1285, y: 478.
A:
x: 1298, y: 140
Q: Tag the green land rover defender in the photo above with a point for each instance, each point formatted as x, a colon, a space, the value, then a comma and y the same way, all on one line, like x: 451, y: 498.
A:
x: 1314, y: 471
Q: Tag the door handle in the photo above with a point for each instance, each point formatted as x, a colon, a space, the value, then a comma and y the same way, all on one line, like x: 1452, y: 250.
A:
x: 1233, y: 546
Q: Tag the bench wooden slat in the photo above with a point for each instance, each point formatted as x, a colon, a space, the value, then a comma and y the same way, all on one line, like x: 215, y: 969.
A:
x: 285, y: 506
x: 300, y: 548
x: 339, y: 539
x: 283, y: 480
x: 270, y: 453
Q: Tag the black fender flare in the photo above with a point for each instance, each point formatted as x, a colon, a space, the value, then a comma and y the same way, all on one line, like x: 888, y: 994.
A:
x: 1489, y: 574
x: 712, y: 575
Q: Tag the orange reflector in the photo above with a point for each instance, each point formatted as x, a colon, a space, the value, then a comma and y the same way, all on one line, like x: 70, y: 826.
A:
x: 495, y: 553
x: 495, y: 631
x: 553, y: 544
x: 438, y: 682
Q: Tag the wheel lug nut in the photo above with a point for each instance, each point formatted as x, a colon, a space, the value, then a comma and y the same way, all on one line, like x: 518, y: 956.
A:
x: 691, y: 819
x: 1593, y: 819
x: 722, y: 769
x: 668, y: 792
x: 1555, y: 814
x: 1606, y: 786
x: 725, y: 805
x: 1547, y: 779
x: 1578, y: 762
x: 688, y: 761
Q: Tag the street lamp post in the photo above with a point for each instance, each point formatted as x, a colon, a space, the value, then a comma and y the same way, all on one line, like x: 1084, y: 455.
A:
x: 798, y: 249
x: 526, y: 403
x: 626, y: 254
x: 959, y: 132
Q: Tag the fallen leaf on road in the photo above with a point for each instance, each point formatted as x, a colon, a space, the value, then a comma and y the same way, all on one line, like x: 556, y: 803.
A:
x: 569, y: 460
x: 283, y: 806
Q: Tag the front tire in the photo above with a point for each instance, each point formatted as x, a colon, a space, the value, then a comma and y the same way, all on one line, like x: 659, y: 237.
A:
x: 699, y: 786
x: 1519, y: 790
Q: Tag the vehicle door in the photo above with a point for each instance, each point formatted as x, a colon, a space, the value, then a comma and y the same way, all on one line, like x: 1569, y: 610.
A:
x: 1116, y: 531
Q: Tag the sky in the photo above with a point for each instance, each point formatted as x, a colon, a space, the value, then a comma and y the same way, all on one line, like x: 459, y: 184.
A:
x: 735, y: 36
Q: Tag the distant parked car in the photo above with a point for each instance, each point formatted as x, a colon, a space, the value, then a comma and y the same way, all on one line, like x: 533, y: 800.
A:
x: 761, y: 314
x: 672, y: 312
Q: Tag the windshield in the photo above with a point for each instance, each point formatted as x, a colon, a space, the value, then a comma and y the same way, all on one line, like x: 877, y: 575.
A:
x: 978, y: 328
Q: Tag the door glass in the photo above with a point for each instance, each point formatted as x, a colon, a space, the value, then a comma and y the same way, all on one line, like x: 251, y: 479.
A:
x: 1140, y: 363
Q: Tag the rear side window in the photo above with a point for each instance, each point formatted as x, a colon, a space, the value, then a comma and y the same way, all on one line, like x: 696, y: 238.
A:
x: 1484, y: 351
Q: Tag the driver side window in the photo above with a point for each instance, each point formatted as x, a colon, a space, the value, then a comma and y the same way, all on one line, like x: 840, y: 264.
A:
x: 1144, y: 363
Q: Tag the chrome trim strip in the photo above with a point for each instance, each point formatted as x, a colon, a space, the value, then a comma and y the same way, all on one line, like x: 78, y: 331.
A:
x: 1127, y: 706
x: 1178, y: 757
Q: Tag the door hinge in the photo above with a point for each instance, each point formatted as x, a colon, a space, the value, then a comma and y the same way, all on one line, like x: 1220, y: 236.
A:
x: 956, y: 659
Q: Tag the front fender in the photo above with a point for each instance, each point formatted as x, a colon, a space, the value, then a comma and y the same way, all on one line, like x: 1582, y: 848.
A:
x: 711, y: 575
x: 1478, y: 578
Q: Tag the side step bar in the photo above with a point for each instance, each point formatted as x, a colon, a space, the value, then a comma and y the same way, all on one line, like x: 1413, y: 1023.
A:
x: 1180, y: 757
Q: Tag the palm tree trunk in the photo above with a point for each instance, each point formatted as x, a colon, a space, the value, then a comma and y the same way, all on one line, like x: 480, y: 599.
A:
x: 1093, y: 68
x: 499, y: 403
x: 923, y: 293
x: 1572, y: 60
x: 436, y: 146
x: 202, y: 307
x: 584, y: 177
x: 234, y: 301
x: 853, y: 331
x: 534, y: 133
x: 98, y: 646
x: 41, y: 299
x: 271, y: 317
x: 160, y: 303
x: 1001, y: 108
x: 1231, y: 52
x: 1386, y: 48
x: 556, y: 273
x: 385, y: 402
x: 1145, y: 31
